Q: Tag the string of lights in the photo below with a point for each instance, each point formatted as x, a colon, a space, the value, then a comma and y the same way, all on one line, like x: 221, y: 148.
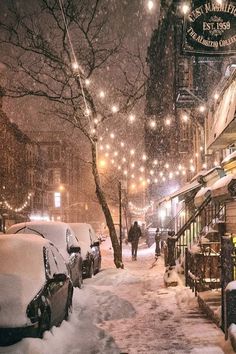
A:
x: 20, y: 208
x: 118, y: 159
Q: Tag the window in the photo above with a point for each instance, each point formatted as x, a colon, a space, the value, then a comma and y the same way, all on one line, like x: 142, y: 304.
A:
x: 57, y: 176
x: 57, y: 199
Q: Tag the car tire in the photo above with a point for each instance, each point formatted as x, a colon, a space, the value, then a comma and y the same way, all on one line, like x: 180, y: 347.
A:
x: 69, y: 304
x: 44, y: 322
x: 91, y: 270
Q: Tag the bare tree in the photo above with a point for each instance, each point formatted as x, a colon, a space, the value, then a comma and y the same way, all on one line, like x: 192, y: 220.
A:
x: 53, y: 47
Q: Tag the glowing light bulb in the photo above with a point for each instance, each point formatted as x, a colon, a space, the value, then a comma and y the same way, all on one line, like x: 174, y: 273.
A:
x: 132, y: 152
x: 116, y: 153
x: 95, y: 121
x: 170, y: 175
x: 112, y: 135
x: 132, y: 176
x: 101, y: 94
x: 107, y: 146
x: 156, y: 180
x: 201, y: 148
x: 87, y: 112
x: 150, y: 5
x: 196, y: 154
x: 87, y: 82
x: 124, y: 159
x: 114, y: 109
x: 119, y: 167
x: 125, y: 172
x: 161, y: 173
x: 153, y: 124
x: 185, y: 118
x: 167, y: 165
x: 101, y: 147
x: 185, y: 8
x: 132, y: 165
x: 216, y: 96
x: 144, y: 157
x: 132, y: 118
x: 75, y: 65
x: 155, y: 162
x: 151, y: 172
x: 142, y: 169
x: 204, y: 166
x: 122, y: 144
x: 168, y: 121
x: 133, y: 185
x: 101, y: 138
x: 202, y: 108
x: 107, y: 154
x: 112, y: 161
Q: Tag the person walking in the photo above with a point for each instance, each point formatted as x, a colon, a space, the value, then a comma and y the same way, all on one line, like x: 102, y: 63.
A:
x: 157, y: 240
x: 133, y: 237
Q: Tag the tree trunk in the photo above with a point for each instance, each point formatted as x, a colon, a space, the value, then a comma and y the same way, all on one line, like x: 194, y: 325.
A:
x: 102, y: 201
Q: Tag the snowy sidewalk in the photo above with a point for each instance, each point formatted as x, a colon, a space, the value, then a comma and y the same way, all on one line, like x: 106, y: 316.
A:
x: 130, y: 311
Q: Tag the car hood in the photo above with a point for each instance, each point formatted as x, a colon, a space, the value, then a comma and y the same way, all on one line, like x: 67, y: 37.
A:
x: 16, y: 293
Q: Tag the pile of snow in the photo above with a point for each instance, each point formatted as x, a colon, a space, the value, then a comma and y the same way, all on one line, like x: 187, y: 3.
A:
x: 171, y: 277
x: 129, y: 311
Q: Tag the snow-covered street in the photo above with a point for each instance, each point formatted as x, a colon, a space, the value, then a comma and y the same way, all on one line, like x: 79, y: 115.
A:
x: 130, y: 311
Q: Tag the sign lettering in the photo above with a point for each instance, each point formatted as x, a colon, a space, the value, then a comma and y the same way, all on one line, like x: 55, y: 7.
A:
x: 210, y: 28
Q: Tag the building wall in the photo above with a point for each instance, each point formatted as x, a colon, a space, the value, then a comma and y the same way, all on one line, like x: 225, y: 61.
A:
x: 20, y: 173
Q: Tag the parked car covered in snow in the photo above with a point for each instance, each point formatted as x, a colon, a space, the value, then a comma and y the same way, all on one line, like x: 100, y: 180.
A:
x: 63, y: 237
x: 36, y: 289
x: 90, y: 248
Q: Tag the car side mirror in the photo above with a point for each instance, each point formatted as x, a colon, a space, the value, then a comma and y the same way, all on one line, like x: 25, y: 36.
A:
x: 74, y: 249
x: 59, y: 277
x: 96, y: 244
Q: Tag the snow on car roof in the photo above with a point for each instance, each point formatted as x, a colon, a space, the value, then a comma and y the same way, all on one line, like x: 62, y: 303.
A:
x: 84, y: 232
x: 22, y: 255
x: 55, y: 231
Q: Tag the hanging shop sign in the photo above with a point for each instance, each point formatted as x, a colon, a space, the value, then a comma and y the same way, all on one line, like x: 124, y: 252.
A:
x: 210, y: 28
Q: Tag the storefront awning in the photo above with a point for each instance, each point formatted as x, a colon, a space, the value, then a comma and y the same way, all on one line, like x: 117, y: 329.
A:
x: 188, y: 187
x: 224, y: 188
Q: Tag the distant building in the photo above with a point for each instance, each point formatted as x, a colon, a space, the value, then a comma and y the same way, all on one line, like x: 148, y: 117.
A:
x: 21, y: 184
x: 62, y: 174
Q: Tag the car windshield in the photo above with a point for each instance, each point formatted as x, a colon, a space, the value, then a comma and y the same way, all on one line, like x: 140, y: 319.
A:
x: 21, y: 258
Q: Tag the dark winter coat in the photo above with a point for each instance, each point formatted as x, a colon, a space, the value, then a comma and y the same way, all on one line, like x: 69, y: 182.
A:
x: 134, y: 234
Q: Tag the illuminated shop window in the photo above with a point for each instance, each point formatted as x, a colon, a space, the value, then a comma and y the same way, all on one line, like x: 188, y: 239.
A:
x: 57, y: 199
